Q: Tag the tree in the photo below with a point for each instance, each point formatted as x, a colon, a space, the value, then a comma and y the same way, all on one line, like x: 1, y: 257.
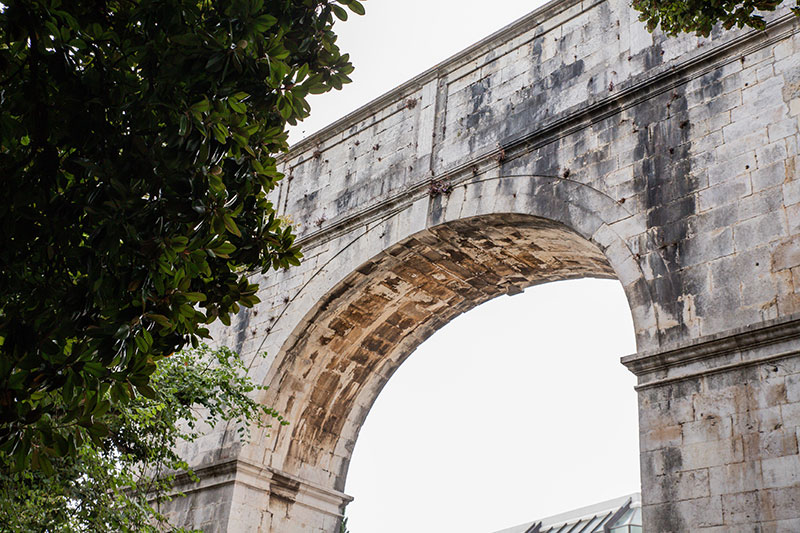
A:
x: 137, y: 142
x: 116, y: 484
x: 700, y: 16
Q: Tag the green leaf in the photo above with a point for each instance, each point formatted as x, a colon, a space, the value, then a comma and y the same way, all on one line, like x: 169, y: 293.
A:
x: 161, y: 320
x: 141, y: 343
x: 195, y: 296
x: 238, y: 107
x: 203, y: 106
x: 98, y: 430
x: 183, y: 127
x: 230, y: 225
x: 356, y: 7
x: 46, y: 466
x: 95, y: 369
x: 224, y: 249
x: 264, y: 22
x: 340, y: 13
x: 146, y: 391
x: 221, y: 132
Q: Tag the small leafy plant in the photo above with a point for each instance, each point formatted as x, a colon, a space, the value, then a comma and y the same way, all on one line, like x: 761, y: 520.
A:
x: 116, y: 484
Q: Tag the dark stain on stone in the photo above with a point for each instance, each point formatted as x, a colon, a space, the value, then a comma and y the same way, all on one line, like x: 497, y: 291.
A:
x: 479, y: 91
x: 345, y: 200
x: 663, y: 173
x: 711, y: 84
x: 653, y: 57
x: 310, y: 198
x: 673, y: 460
x: 242, y: 323
x: 436, y: 210
x: 367, y: 268
x: 666, y: 517
x: 534, y: 105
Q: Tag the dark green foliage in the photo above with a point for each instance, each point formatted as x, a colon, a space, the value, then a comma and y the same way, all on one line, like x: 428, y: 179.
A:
x: 137, y: 143
x: 101, y: 487
x: 699, y: 16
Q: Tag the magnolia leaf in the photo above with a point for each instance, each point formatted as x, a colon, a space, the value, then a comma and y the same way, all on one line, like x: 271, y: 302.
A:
x: 230, y: 225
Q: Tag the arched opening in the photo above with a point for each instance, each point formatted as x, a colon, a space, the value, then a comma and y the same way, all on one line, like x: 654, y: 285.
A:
x: 514, y: 411
x: 350, y: 344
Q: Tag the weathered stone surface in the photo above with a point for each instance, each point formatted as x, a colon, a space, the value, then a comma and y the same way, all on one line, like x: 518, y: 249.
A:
x: 572, y: 143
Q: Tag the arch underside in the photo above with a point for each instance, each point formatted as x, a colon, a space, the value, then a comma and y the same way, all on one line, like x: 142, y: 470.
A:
x: 355, y: 338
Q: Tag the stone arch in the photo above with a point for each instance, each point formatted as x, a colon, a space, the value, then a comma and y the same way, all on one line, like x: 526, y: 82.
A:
x: 667, y: 170
x: 330, y: 371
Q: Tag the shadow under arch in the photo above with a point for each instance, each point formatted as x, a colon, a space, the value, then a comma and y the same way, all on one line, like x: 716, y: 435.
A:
x: 350, y: 343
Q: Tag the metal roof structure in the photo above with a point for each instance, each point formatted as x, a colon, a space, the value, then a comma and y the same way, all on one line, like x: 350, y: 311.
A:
x: 620, y: 515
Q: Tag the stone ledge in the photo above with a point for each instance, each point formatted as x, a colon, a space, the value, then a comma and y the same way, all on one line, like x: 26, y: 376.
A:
x: 768, y: 341
x: 268, y: 480
x: 223, y: 473
x: 308, y: 494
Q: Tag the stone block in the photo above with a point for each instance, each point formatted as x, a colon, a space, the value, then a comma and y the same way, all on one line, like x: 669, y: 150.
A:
x: 782, y: 503
x: 707, y: 429
x: 706, y: 247
x: 792, y: 388
x: 782, y: 129
x: 742, y: 507
x: 713, y: 453
x: 754, y: 420
x: 770, y: 444
x: 793, y: 218
x: 760, y: 116
x: 666, y: 413
x: 779, y: 472
x: 768, y: 201
x: 729, y: 191
x: 683, y: 516
x: 771, y: 153
x: 661, y: 461
x: 769, y: 90
x: 661, y: 437
x: 769, y: 176
x: 791, y: 193
x: 756, y: 231
x: 736, y: 477
x: 676, y: 487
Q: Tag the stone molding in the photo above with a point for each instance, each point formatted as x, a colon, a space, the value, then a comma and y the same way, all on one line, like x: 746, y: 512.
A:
x: 305, y: 493
x: 741, y: 347
x: 264, y: 479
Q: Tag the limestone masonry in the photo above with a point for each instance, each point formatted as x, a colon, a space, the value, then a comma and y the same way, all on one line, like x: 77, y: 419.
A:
x: 569, y: 144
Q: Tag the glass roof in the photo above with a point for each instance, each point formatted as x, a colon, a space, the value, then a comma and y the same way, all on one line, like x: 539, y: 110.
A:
x: 621, y: 515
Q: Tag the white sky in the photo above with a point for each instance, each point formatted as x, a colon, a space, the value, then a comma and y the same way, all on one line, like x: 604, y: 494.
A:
x: 516, y: 410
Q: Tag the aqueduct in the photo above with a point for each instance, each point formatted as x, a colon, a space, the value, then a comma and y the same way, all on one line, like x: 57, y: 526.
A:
x: 571, y: 143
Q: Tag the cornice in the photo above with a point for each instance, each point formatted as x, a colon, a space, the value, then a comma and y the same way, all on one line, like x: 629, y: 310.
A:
x: 721, y: 352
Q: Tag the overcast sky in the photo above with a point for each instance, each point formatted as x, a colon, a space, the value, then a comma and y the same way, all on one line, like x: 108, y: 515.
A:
x: 516, y: 410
